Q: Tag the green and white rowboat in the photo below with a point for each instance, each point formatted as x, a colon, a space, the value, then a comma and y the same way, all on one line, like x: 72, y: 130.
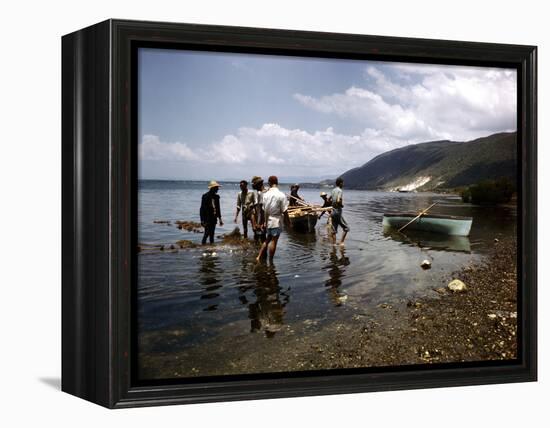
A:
x: 437, y: 223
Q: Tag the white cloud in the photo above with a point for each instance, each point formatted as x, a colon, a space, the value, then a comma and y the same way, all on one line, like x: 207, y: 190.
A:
x: 290, y: 151
x: 151, y: 148
x: 399, y: 104
x: 425, y: 102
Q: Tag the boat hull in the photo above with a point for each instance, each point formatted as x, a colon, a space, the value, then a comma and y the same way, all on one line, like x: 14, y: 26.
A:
x: 304, y: 223
x: 449, y: 225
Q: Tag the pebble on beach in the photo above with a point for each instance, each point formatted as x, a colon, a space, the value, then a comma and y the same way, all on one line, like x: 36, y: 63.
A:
x: 426, y: 264
x: 457, y: 286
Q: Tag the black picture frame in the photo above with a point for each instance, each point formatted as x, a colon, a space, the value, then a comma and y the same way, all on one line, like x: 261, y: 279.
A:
x: 99, y: 210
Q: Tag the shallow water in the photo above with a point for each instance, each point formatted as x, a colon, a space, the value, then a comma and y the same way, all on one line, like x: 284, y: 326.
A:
x: 202, y: 293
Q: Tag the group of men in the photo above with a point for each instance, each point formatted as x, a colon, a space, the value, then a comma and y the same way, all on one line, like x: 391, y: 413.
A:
x: 265, y: 209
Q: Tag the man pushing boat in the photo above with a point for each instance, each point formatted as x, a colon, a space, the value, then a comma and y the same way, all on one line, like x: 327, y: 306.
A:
x: 337, y: 219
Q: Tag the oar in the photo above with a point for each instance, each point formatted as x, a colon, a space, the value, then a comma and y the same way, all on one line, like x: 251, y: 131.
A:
x: 419, y: 215
x: 298, y: 200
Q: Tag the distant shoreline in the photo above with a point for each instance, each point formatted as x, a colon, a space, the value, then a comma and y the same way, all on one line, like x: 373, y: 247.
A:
x: 304, y: 185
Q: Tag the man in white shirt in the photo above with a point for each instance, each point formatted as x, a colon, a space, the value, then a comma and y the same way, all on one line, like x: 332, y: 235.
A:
x: 274, y: 204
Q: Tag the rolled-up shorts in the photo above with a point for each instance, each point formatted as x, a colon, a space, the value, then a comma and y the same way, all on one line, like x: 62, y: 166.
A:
x: 274, y: 232
x: 338, y: 220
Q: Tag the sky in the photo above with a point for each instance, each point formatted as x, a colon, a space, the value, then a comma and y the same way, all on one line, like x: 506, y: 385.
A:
x: 226, y: 116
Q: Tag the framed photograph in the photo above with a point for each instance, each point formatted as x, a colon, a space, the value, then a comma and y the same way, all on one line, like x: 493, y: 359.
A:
x: 254, y: 213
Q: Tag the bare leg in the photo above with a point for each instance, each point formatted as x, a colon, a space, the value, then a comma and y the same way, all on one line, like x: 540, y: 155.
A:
x: 273, y: 247
x: 263, y: 249
x: 343, y: 238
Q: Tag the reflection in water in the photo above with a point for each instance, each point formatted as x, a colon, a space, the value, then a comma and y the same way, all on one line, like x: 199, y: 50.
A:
x: 336, y: 272
x: 267, y: 312
x: 429, y: 240
x: 209, y: 279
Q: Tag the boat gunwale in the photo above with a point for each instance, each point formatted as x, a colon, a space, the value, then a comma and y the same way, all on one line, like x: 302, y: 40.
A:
x: 436, y: 216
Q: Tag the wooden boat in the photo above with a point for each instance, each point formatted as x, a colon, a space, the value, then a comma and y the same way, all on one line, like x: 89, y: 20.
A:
x: 437, y: 241
x: 437, y: 223
x: 302, y: 219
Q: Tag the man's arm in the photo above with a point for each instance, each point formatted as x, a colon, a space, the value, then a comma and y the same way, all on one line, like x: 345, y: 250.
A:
x: 218, y: 211
x: 203, y: 211
x: 252, y: 211
x: 239, y: 203
x: 284, y: 204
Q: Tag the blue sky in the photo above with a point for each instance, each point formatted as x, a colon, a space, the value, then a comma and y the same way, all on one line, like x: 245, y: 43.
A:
x: 230, y: 116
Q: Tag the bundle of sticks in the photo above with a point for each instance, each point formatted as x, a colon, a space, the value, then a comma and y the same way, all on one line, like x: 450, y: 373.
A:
x: 304, y: 206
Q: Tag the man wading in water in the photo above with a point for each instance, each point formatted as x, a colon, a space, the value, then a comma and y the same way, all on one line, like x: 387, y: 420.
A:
x: 258, y: 217
x: 210, y: 211
x: 245, y: 201
x: 336, y: 216
x: 275, y: 204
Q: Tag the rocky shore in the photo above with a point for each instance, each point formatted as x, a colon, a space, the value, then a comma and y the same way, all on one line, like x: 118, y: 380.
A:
x: 477, y: 324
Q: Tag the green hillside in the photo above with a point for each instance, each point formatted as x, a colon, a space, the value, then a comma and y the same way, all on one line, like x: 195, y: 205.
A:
x: 438, y: 165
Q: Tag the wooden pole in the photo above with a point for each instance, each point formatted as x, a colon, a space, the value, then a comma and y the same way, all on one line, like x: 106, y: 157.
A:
x: 298, y: 200
x: 419, y: 215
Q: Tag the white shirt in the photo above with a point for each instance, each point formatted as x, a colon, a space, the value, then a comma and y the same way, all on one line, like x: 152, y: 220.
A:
x: 275, y: 204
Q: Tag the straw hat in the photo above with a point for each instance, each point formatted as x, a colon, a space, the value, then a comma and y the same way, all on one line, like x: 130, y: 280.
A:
x: 213, y: 183
x: 323, y: 193
x: 256, y: 179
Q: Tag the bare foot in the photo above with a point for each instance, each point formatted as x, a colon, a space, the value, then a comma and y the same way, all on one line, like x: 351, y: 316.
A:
x: 342, y: 244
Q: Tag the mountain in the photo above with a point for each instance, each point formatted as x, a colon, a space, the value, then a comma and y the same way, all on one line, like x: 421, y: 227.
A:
x: 438, y: 165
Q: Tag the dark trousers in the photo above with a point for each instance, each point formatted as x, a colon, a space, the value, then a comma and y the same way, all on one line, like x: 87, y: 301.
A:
x: 245, y: 225
x: 259, y: 236
x: 209, y: 229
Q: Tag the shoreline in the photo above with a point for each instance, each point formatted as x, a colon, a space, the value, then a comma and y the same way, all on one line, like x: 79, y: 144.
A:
x: 439, y: 327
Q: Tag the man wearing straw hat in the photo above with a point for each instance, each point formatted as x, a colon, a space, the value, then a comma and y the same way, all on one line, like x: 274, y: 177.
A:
x: 210, y: 211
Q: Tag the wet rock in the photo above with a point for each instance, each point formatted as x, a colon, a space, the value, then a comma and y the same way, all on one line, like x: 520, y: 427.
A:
x: 184, y: 243
x: 412, y: 304
x: 456, y: 286
x: 190, y: 226
x: 440, y: 290
x: 273, y: 328
x: 342, y: 299
x: 426, y: 264
x: 235, y: 238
